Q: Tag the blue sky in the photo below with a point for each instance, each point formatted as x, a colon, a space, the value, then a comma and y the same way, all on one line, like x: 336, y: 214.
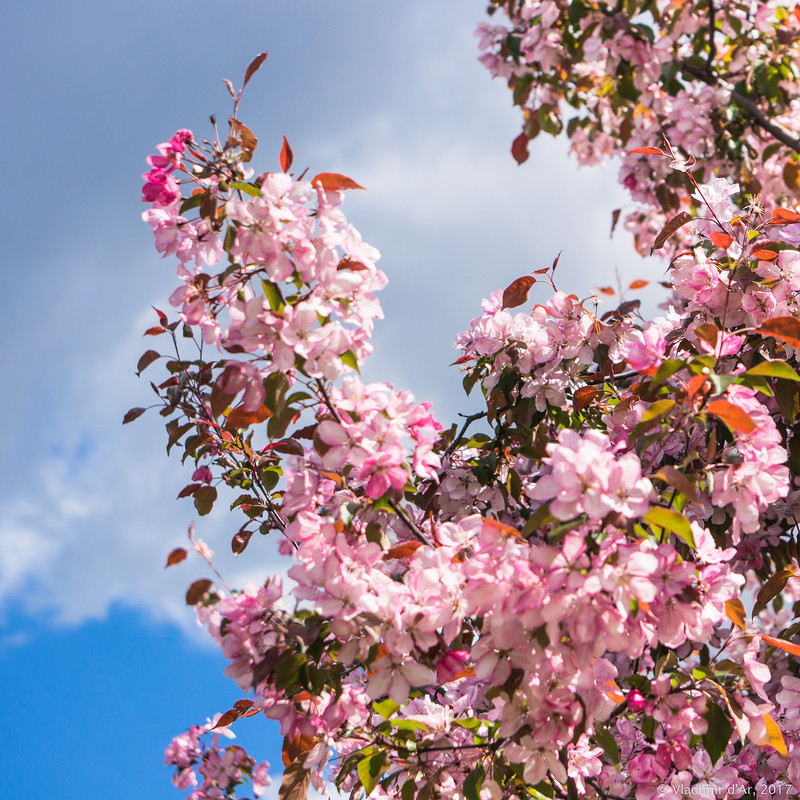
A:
x: 101, y: 661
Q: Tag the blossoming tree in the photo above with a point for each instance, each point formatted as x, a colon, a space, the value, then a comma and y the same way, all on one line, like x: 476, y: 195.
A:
x: 588, y: 589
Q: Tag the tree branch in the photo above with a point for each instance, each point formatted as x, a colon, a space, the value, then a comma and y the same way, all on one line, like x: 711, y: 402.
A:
x: 752, y: 111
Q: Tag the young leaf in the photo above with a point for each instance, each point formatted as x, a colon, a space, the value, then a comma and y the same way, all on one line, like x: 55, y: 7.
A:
x: 721, y: 240
x: 638, y: 284
x: 789, y: 647
x: 133, y: 414
x: 240, y: 417
x: 772, y: 588
x: 673, y: 225
x: 674, y: 477
x: 736, y: 613
x: 176, y: 556
x: 583, y: 397
x: 296, y: 781
x: 784, y: 216
x: 334, y: 182
x: 197, y: 591
x: 287, y: 155
x: 519, y: 148
x: 146, y: 360
x: 672, y: 521
x: 648, y: 151
x: 772, y: 737
x: 516, y: 293
x: 204, y: 499
x: 786, y: 328
x: 253, y: 67
x: 733, y: 416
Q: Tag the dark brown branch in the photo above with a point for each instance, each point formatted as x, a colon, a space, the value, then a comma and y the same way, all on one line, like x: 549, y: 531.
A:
x: 752, y: 111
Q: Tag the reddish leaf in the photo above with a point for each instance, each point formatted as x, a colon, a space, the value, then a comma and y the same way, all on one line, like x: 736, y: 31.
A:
x: 176, y: 556
x: 133, y: 414
x: 287, y: 155
x: 189, y: 490
x: 297, y: 745
x: 241, y: 418
x: 204, y: 498
x: 229, y: 87
x: 786, y: 328
x: 247, y: 138
x: 162, y: 317
x: 764, y: 255
x: 784, y: 216
x: 674, y: 477
x: 519, y: 148
x: 462, y: 360
x: 772, y: 588
x: 648, y: 151
x: 695, y: 385
x: 240, y: 541
x: 147, y: 359
x: 296, y: 781
x: 243, y: 705
x: 517, y: 292
x: 606, y: 290
x: 253, y: 67
x: 197, y: 591
x: 721, y: 240
x: 735, y: 611
x: 583, y: 397
x: 614, y: 220
x: 789, y: 647
x: 228, y: 718
x: 334, y: 182
x: 733, y: 416
x: 708, y: 332
x: 673, y: 225
x: 402, y: 550
x: 638, y: 284
x: 350, y: 263
x: 154, y: 331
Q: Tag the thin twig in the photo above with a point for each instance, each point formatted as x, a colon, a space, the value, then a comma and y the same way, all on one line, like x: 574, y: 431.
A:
x: 468, y: 420
x: 419, y: 534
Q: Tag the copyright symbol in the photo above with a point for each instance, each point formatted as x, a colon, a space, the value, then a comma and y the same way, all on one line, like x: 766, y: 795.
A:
x: 663, y: 789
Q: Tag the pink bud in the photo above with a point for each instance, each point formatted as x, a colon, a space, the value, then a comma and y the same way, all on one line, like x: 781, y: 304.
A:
x: 636, y: 701
x: 451, y: 665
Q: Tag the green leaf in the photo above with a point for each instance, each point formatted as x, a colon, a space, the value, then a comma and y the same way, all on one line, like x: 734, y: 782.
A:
x: 715, y: 739
x: 349, y: 360
x: 672, y: 521
x: 788, y: 396
x: 658, y: 409
x: 605, y: 739
x: 774, y: 369
x: 273, y: 295
x: 191, y: 202
x: 538, y: 519
x: 473, y: 783
x: 370, y: 770
x: 247, y: 188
